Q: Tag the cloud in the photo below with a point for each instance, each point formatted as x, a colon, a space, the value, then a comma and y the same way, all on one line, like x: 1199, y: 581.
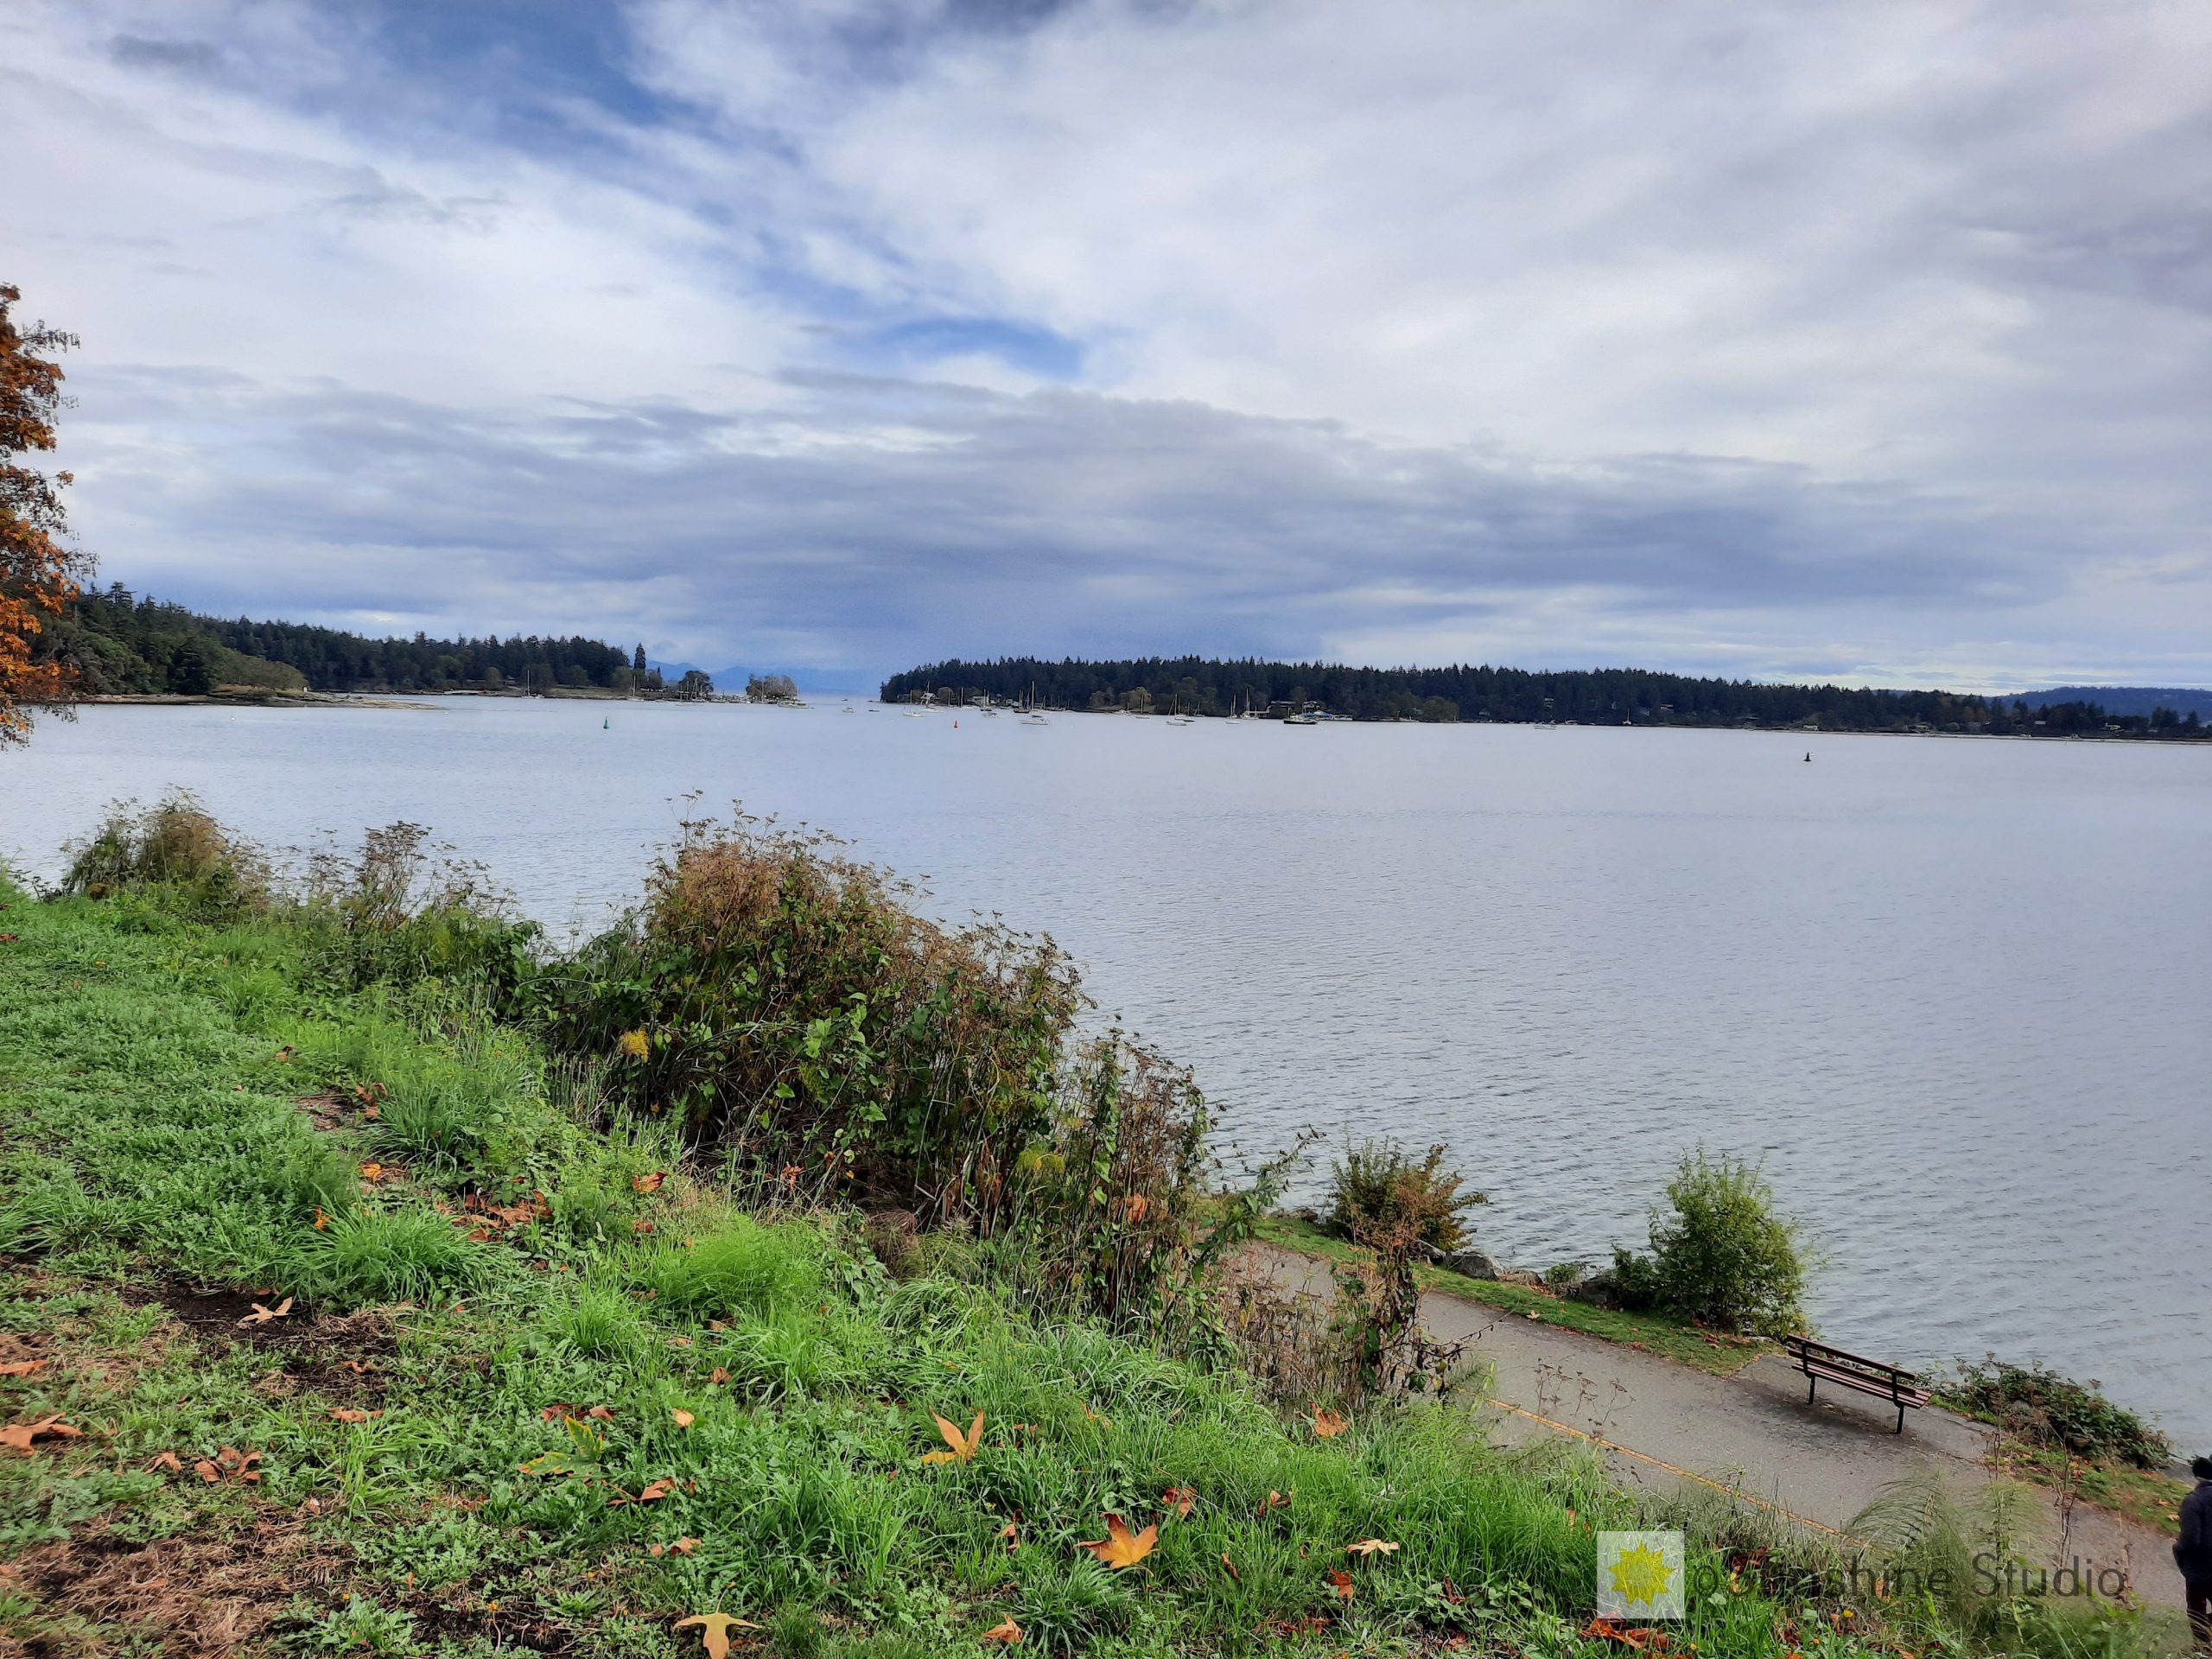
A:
x: 1842, y: 340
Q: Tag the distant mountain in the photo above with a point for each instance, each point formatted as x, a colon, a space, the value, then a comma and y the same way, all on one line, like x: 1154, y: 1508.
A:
x: 2125, y: 699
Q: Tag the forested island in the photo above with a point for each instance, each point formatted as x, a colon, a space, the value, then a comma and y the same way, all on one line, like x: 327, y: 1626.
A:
x: 1604, y: 696
x: 122, y: 645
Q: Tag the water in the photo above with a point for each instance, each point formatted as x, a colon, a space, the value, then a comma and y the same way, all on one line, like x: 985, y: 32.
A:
x: 1952, y: 992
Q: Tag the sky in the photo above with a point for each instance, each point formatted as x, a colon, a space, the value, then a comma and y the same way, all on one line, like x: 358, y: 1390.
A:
x: 1851, y: 342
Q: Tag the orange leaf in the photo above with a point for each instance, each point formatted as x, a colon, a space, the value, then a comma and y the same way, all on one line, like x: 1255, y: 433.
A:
x: 167, y: 1460
x: 1230, y: 1567
x: 722, y: 1375
x: 20, y: 1436
x: 321, y: 1221
x: 602, y: 1412
x: 1341, y: 1580
x: 1098, y: 1417
x: 22, y: 1368
x: 1012, y: 1534
x: 1005, y: 1630
x: 685, y: 1545
x: 1370, y: 1547
x: 1178, y: 1500
x: 1273, y: 1501
x: 1121, y: 1548
x: 262, y: 1315
x: 713, y: 1630
x: 649, y: 1183
x: 372, y: 1173
x: 347, y: 1414
x: 1327, y: 1425
x: 964, y: 1446
x: 683, y: 1419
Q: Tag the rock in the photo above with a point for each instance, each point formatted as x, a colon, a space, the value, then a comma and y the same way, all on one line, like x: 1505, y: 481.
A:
x: 1475, y: 1264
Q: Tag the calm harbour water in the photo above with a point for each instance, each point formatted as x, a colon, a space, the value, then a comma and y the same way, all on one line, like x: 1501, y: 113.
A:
x: 1954, y: 992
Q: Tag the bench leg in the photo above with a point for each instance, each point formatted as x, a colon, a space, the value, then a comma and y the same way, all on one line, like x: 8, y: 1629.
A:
x: 1900, y: 1427
x: 1812, y: 1387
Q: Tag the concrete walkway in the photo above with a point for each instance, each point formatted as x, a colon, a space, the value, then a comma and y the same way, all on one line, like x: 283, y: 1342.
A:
x: 1751, y: 1436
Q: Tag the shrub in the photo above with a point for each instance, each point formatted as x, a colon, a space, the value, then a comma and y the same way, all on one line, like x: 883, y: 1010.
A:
x: 1377, y: 1187
x: 401, y: 911
x: 783, y: 999
x: 2041, y: 1407
x: 1719, y: 1254
x: 176, y: 852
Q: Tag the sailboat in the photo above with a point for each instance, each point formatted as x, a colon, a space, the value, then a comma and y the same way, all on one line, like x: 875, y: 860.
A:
x: 1030, y: 717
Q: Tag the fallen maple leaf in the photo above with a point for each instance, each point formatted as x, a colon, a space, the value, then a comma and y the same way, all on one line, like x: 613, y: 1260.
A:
x: 685, y: 1545
x: 166, y: 1460
x: 372, y: 1172
x: 20, y: 1436
x: 1273, y: 1501
x: 602, y: 1412
x: 22, y: 1368
x: 1005, y: 1630
x: 1178, y: 1500
x: 1341, y: 1580
x: 649, y: 1183
x: 1327, y: 1425
x: 1012, y: 1534
x: 683, y: 1419
x: 347, y: 1414
x: 1121, y: 1548
x: 321, y: 1221
x: 964, y: 1446
x: 713, y: 1630
x: 262, y: 1315
x: 721, y: 1374
x: 1370, y: 1547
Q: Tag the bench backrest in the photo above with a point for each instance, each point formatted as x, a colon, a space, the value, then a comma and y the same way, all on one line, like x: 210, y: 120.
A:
x: 1878, y: 1370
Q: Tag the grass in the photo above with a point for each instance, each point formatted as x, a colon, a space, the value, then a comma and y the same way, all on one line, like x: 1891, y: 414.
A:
x: 488, y: 1379
x: 1674, y: 1339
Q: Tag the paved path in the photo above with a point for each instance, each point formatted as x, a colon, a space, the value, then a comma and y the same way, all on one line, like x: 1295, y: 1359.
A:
x: 1751, y: 1435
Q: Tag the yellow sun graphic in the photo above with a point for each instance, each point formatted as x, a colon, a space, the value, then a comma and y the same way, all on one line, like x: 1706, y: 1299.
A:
x: 1641, y: 1575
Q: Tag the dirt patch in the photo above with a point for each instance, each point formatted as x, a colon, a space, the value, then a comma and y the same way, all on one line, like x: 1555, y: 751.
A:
x: 517, y: 1627
x: 181, y: 1595
x: 236, y: 1318
x: 330, y: 1111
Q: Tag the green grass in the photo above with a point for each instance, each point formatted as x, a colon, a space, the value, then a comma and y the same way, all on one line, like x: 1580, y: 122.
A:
x: 529, y: 1398
x: 1674, y: 1339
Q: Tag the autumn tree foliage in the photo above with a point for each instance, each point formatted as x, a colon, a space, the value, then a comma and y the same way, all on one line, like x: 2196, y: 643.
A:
x: 39, y: 571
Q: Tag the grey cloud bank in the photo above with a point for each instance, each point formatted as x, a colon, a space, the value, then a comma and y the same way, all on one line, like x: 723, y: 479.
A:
x: 1859, y: 342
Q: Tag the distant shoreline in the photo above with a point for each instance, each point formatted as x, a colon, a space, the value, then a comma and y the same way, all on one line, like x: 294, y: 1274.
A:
x: 419, y: 700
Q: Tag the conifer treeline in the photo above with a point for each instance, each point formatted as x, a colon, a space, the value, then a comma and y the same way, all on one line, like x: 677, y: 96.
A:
x: 1605, y: 696
x: 124, y: 644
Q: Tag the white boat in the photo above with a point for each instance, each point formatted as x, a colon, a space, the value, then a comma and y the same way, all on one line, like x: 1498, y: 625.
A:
x: 1182, y: 720
x: 1032, y: 718
x: 916, y: 714
x: 1299, y: 720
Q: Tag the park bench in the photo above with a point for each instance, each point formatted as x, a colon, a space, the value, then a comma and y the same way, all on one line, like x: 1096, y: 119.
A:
x: 1821, y: 1363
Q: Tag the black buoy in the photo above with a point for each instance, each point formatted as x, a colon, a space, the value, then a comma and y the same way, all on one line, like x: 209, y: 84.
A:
x: 1808, y: 754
